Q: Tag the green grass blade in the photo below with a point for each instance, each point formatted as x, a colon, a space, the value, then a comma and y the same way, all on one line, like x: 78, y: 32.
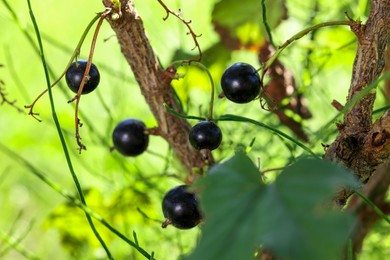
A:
x: 60, y: 134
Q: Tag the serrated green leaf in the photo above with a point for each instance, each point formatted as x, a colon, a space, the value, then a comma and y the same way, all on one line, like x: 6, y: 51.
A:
x: 307, y: 228
x: 237, y: 180
x: 288, y: 217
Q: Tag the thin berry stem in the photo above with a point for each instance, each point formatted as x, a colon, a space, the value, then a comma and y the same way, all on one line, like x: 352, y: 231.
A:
x: 186, y: 23
x: 212, y: 91
x: 212, y: 94
x: 76, y: 53
x: 299, y: 35
x: 236, y: 118
x: 85, y: 79
x: 182, y: 115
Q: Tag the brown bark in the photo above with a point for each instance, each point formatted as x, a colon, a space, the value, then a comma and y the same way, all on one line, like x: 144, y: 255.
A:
x: 154, y: 83
x: 375, y: 190
x: 361, y: 145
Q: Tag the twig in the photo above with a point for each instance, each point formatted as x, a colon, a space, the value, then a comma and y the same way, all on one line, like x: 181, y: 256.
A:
x: 299, y: 35
x: 155, y: 85
x: 85, y: 79
x: 76, y: 53
x: 4, y: 98
x: 212, y: 86
x: 60, y: 134
x: 187, y: 24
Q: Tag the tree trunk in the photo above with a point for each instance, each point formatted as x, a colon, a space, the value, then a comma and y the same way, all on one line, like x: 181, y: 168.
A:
x: 361, y: 145
x: 154, y: 83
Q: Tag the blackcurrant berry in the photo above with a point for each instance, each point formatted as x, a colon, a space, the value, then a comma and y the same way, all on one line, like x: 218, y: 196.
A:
x: 74, y: 76
x: 240, y: 83
x: 130, y: 137
x: 180, y: 208
x: 205, y: 135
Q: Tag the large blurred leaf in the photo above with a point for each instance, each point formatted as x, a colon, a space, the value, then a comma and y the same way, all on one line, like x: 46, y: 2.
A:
x: 288, y: 217
x: 240, y: 23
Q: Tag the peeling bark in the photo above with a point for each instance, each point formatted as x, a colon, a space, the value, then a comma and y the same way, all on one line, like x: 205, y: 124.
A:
x: 154, y: 83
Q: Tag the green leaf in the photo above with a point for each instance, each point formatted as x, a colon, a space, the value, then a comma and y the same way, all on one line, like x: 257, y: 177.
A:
x: 287, y: 217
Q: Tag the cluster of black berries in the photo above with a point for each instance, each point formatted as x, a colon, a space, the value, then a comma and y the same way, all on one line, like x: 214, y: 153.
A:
x: 240, y: 84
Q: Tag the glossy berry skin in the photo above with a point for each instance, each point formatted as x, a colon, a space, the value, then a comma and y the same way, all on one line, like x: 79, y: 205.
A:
x: 205, y: 135
x: 180, y: 208
x: 74, y: 76
x: 240, y: 83
x: 129, y: 137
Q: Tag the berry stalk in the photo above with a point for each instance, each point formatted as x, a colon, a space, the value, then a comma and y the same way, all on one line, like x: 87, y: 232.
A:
x: 212, y: 91
x: 75, y: 53
x: 85, y: 79
x: 299, y: 35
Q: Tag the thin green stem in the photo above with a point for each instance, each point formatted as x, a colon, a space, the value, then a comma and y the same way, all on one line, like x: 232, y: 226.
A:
x: 211, y: 104
x: 247, y: 120
x: 60, y: 134
x: 181, y: 115
x: 14, y: 243
x: 275, y: 130
x: 381, y: 110
x: 299, y: 35
x: 373, y: 206
x: 88, y: 211
x: 56, y: 44
x: 265, y: 22
x: 85, y: 79
x: 370, y: 87
x: 74, y: 56
x: 212, y: 91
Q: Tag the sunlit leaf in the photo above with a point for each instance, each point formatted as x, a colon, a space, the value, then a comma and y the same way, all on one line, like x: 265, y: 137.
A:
x: 288, y: 217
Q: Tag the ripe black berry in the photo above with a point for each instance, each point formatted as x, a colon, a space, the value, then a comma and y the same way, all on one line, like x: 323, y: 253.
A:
x: 74, y: 76
x: 129, y: 137
x: 205, y: 135
x: 180, y: 208
x: 240, y: 83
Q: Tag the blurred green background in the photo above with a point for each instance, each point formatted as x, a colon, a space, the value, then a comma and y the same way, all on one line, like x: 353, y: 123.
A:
x: 127, y: 192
